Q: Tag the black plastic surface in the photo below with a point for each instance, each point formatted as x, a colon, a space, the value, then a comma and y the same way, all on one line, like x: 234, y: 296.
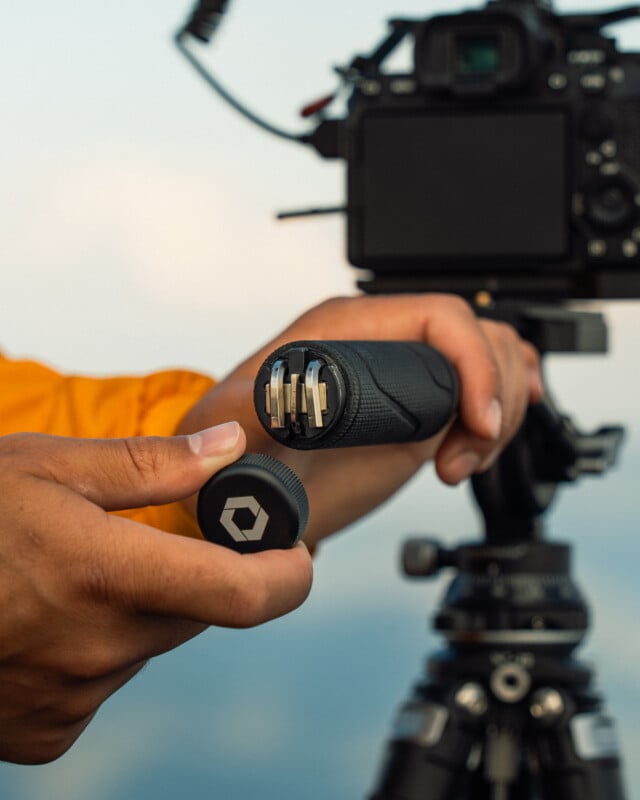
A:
x: 255, y: 504
x: 390, y: 392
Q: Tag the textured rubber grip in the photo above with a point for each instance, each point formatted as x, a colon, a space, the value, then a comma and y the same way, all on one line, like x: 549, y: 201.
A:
x: 377, y: 392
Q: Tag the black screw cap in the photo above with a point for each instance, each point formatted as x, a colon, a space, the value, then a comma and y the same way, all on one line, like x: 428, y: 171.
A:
x: 255, y: 504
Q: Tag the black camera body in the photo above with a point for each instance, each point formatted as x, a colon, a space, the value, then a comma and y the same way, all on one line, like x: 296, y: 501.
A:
x: 507, y: 161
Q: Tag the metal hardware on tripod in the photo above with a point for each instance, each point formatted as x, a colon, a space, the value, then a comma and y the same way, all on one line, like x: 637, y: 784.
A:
x: 505, y: 710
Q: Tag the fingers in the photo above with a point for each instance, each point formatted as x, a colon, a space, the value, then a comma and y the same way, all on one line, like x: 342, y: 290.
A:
x: 461, y: 338
x: 88, y: 596
x: 476, y: 440
x: 135, y: 567
x: 534, y: 372
x: 499, y: 373
x: 127, y: 473
x: 190, y: 579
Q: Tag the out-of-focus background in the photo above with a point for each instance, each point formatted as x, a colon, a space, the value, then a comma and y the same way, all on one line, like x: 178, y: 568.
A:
x: 137, y: 232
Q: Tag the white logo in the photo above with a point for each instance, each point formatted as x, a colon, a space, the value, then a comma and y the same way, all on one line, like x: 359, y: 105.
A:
x: 253, y: 534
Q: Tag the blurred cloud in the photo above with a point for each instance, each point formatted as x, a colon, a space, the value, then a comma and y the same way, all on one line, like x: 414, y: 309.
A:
x: 114, y: 235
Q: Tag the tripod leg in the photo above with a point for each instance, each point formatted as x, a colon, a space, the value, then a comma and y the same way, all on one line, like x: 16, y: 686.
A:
x: 431, y: 744
x: 501, y: 760
x: 576, y: 747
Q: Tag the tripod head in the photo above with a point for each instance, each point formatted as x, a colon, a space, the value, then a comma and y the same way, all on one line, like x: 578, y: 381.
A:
x: 515, y: 581
x: 512, y: 615
x: 549, y: 450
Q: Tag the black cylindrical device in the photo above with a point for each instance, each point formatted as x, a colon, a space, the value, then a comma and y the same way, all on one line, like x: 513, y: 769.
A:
x: 254, y: 504
x: 321, y: 394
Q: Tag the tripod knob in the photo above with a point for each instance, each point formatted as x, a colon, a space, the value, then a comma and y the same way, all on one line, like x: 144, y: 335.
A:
x: 424, y: 557
x: 547, y: 705
x: 472, y: 698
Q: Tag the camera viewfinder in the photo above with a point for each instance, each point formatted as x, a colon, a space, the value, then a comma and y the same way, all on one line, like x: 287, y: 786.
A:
x: 477, y: 55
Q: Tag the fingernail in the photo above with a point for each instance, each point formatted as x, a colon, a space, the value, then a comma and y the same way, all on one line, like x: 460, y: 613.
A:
x: 493, y: 418
x: 463, y: 466
x: 215, y: 441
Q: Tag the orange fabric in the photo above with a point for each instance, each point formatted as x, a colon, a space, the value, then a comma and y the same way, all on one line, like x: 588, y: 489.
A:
x: 36, y: 398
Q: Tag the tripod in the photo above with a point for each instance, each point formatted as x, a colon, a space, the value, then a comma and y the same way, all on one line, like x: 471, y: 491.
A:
x: 505, y: 711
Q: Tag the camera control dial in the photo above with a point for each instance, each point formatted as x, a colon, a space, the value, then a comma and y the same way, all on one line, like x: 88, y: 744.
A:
x: 609, y: 202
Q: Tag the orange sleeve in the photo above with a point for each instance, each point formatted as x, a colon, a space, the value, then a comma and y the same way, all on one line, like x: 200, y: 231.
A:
x: 36, y: 398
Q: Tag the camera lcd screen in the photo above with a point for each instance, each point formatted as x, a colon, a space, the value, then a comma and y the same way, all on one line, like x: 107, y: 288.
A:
x: 468, y: 186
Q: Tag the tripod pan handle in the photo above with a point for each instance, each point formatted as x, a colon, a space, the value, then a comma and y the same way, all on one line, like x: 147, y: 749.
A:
x: 321, y: 394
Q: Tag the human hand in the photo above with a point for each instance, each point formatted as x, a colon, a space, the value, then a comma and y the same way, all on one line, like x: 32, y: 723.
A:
x: 87, y: 597
x: 498, y: 373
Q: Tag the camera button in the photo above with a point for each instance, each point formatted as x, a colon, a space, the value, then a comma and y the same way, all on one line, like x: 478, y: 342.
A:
x: 617, y: 75
x: 593, y: 82
x: 596, y: 125
x: 597, y: 248
x: 557, y: 81
x: 610, y: 203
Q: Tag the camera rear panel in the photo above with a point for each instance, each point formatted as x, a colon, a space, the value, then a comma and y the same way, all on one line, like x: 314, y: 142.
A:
x: 520, y: 181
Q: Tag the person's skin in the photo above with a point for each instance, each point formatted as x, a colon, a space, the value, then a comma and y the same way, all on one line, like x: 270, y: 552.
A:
x: 88, y: 597
x: 499, y: 376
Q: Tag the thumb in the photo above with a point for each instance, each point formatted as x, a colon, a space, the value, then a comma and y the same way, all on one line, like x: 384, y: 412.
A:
x: 129, y: 473
x: 62, y: 484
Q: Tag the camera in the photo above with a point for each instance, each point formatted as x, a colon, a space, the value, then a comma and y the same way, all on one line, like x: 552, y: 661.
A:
x: 507, y: 160
x: 504, y: 166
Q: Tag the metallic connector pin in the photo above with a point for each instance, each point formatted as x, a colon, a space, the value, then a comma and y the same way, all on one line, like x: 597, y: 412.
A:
x: 295, y: 388
x: 312, y: 392
x: 295, y: 398
x: 276, y: 405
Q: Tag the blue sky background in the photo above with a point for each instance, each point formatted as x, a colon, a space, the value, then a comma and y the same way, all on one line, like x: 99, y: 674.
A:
x: 137, y: 232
